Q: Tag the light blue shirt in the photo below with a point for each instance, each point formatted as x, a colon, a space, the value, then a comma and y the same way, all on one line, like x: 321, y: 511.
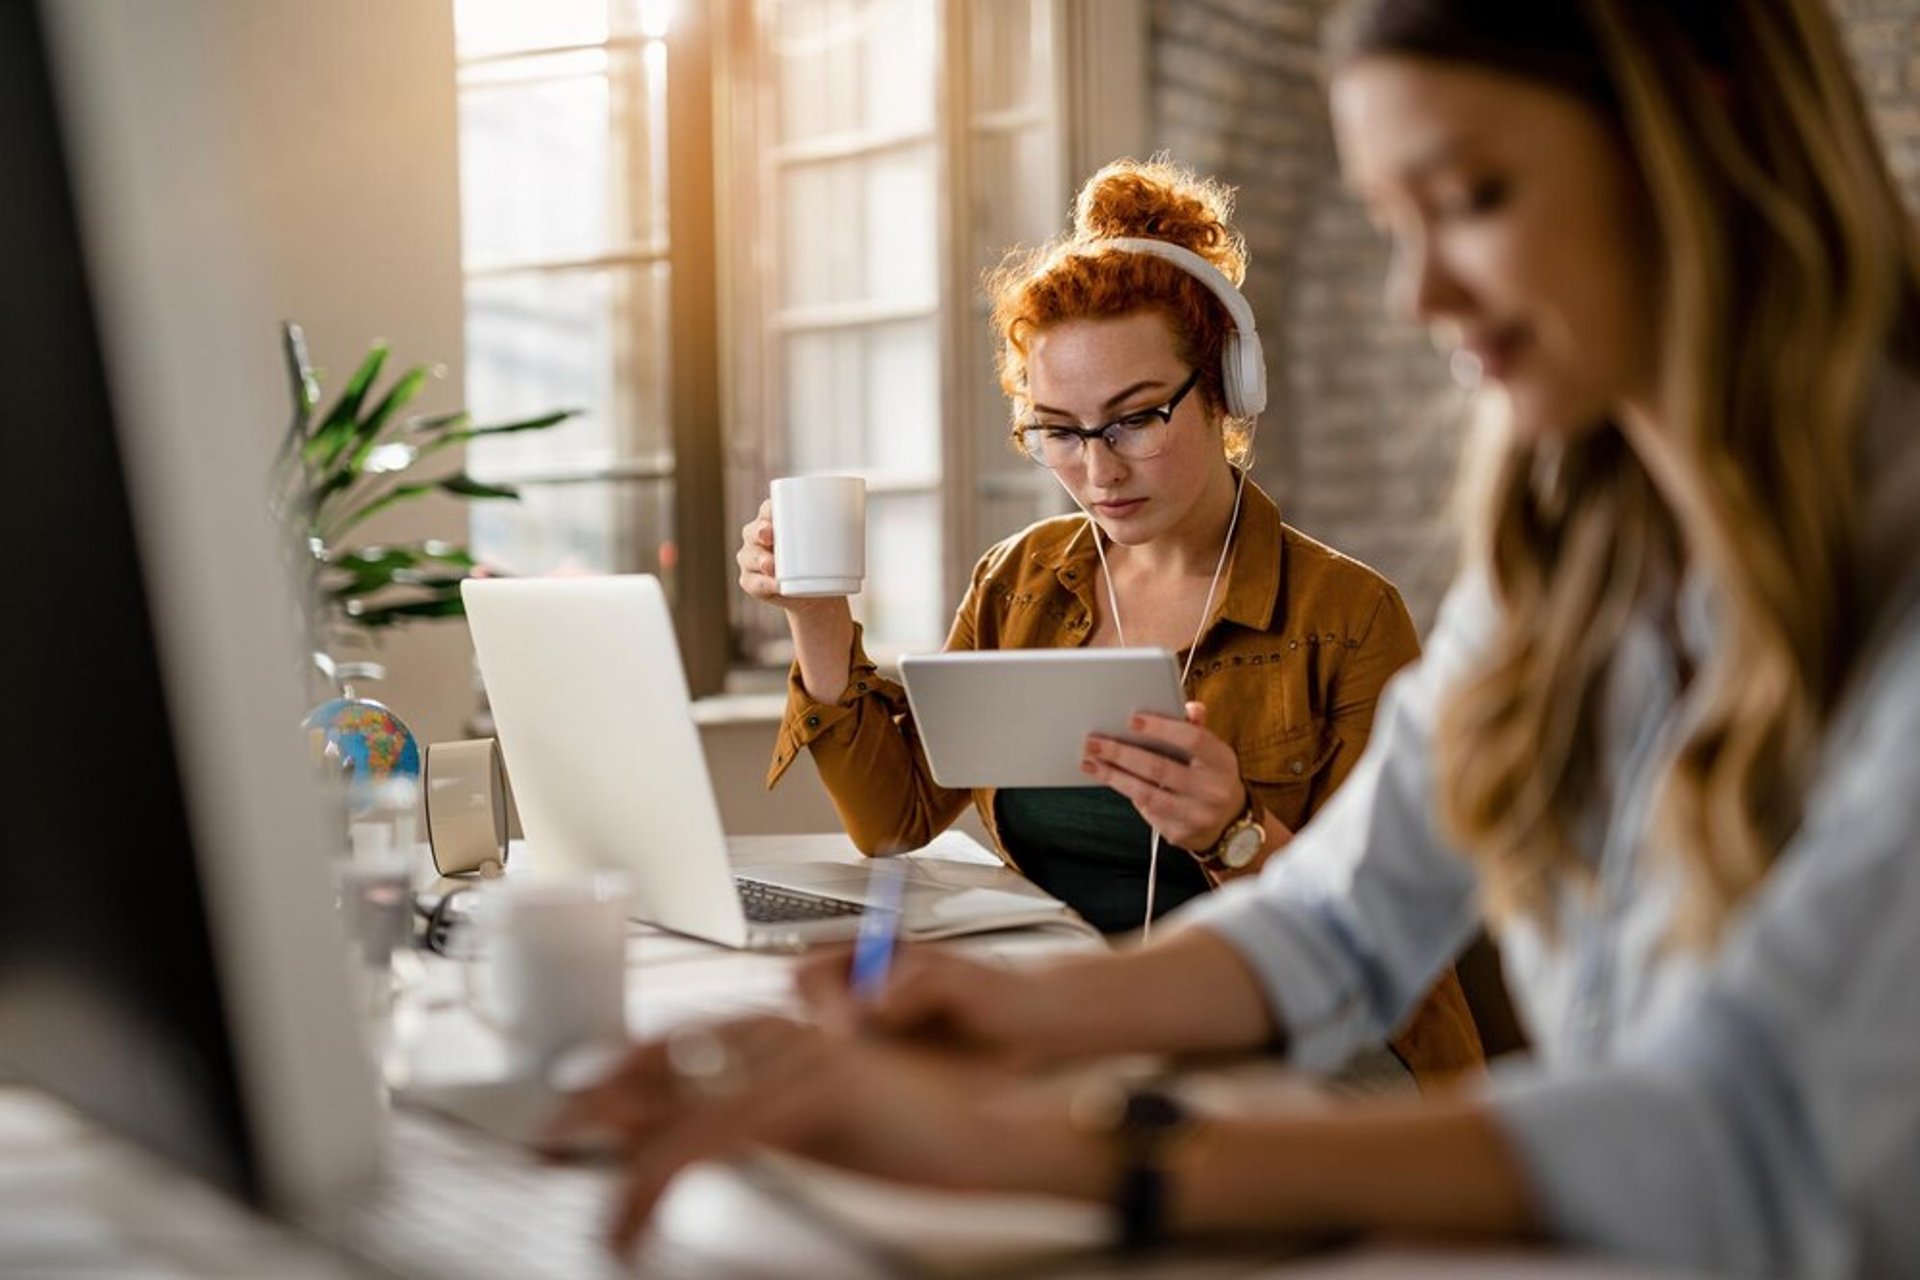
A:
x: 1753, y: 1109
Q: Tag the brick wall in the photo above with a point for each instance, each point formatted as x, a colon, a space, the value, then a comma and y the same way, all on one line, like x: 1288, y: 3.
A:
x: 1361, y: 440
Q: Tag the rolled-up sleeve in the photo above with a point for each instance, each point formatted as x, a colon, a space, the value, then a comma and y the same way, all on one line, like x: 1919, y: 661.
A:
x: 1350, y: 929
x: 1771, y: 1125
x: 867, y: 749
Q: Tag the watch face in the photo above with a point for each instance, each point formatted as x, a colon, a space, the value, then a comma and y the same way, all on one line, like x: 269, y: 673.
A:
x: 1242, y: 847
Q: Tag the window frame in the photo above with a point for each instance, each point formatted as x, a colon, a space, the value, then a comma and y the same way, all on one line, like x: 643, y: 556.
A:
x: 722, y: 426
x: 689, y: 470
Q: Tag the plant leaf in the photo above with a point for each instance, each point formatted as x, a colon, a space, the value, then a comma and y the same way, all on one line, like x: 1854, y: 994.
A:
x: 304, y: 387
x: 540, y: 423
x: 437, y: 421
x: 467, y: 487
x: 400, y: 579
x: 336, y: 431
x: 363, y: 436
x: 398, y: 494
x: 429, y: 565
x: 459, y: 484
x: 396, y: 398
x: 385, y: 615
x: 429, y: 551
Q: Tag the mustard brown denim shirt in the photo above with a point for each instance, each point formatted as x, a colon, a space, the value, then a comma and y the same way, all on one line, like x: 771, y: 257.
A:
x: 1290, y: 666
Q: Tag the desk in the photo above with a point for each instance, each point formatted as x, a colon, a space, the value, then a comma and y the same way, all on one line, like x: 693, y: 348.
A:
x: 76, y: 1201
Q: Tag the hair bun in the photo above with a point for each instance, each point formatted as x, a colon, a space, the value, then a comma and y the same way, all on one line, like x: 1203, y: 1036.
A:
x: 1156, y: 199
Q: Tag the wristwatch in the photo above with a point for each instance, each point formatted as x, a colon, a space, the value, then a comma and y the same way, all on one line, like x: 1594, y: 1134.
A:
x: 1145, y: 1123
x: 1240, y: 843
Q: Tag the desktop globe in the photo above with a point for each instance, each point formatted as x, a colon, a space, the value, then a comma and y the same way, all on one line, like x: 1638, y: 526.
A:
x: 374, y: 746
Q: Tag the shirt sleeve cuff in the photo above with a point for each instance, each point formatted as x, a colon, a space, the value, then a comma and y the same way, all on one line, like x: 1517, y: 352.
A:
x: 1636, y: 1163
x: 806, y: 718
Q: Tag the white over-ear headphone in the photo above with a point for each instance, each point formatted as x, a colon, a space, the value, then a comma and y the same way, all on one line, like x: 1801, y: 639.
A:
x: 1243, y: 365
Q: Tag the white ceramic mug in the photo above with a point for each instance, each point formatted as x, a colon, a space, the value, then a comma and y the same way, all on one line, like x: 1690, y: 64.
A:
x: 553, y: 973
x: 819, y: 535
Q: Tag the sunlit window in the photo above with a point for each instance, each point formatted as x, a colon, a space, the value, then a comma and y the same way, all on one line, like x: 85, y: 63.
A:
x: 867, y: 159
x: 568, y: 251
x: 866, y: 343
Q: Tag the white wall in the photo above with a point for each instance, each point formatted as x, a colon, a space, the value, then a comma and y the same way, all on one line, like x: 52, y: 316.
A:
x: 346, y: 114
x: 337, y: 120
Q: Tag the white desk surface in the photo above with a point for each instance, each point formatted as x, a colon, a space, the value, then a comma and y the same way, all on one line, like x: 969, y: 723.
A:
x: 78, y: 1202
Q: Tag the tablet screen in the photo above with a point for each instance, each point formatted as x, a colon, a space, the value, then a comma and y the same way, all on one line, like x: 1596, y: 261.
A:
x: 1020, y: 717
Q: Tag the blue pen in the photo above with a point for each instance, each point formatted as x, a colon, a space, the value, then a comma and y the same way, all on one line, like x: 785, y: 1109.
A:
x: 879, y: 925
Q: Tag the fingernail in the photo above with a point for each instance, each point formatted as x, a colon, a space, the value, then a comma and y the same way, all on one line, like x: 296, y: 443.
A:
x: 1086, y: 766
x: 1139, y: 722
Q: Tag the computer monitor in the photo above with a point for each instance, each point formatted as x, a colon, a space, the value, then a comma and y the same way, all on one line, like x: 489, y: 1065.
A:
x: 169, y: 961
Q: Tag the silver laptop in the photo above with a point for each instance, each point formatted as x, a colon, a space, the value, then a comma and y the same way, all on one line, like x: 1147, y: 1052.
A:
x: 590, y: 701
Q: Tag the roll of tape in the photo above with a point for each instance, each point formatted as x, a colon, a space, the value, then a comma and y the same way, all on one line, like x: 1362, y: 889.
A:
x: 466, y: 807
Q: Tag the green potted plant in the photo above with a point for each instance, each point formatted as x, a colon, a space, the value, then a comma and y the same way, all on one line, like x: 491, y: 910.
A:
x: 338, y: 468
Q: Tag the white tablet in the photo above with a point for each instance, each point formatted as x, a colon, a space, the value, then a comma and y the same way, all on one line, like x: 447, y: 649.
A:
x: 1020, y: 717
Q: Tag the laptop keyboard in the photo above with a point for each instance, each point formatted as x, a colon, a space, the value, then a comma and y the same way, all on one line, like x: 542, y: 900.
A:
x: 453, y: 1206
x: 769, y: 904
x: 457, y: 1206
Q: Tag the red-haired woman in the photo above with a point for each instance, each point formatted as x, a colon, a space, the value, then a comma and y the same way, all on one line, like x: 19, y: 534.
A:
x: 1129, y: 357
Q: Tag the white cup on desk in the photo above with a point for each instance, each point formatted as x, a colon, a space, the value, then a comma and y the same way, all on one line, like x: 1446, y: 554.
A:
x: 552, y: 976
x: 819, y: 535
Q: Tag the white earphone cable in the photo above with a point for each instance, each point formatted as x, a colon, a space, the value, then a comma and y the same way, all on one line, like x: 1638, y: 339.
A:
x: 1120, y: 631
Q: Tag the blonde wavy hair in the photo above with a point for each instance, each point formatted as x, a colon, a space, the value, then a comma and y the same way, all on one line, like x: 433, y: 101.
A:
x: 1073, y: 277
x: 1791, y: 277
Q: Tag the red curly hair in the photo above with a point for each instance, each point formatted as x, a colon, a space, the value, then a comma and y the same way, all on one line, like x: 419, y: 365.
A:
x: 1074, y: 278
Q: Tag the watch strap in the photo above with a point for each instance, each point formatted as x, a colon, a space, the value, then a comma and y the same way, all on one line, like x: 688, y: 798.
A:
x: 1216, y: 855
x: 1151, y: 1121
x: 1141, y: 1206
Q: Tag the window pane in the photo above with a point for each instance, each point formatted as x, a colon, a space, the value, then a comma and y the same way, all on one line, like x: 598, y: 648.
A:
x: 1017, y: 200
x: 865, y: 399
x: 1008, y: 46
x: 861, y: 230
x: 902, y: 604
x: 853, y: 66
x: 483, y: 27
x: 640, y: 147
x: 534, y: 169
x: 817, y: 61
x: 600, y: 527
x: 900, y: 52
x: 594, y: 340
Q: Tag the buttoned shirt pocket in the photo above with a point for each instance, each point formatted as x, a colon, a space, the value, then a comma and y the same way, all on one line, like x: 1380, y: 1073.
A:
x: 1282, y: 769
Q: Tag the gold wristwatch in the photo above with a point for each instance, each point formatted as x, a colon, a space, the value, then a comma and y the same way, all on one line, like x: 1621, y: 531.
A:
x: 1240, y: 843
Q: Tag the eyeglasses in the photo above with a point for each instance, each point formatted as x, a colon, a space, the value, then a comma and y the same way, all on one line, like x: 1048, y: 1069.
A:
x: 1142, y: 434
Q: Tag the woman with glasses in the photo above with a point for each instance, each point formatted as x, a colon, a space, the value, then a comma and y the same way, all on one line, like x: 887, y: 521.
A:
x: 1118, y: 361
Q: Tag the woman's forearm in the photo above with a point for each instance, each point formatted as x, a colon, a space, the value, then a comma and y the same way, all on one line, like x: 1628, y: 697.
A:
x: 1189, y: 992
x: 1412, y: 1168
x: 823, y: 646
x: 1417, y: 1167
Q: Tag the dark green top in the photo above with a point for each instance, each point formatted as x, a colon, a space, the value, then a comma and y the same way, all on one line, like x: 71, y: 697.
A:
x: 1088, y: 846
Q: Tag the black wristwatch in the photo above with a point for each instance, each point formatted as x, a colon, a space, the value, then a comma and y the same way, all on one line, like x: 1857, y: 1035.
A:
x: 1145, y: 1123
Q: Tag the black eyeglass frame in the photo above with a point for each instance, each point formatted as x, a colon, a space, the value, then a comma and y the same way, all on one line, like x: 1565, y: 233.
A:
x: 1107, y: 432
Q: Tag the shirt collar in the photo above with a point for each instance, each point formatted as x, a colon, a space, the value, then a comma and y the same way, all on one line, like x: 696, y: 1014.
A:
x: 1251, y: 581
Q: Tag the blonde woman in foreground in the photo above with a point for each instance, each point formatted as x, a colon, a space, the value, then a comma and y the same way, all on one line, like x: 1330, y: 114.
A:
x: 1665, y: 737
